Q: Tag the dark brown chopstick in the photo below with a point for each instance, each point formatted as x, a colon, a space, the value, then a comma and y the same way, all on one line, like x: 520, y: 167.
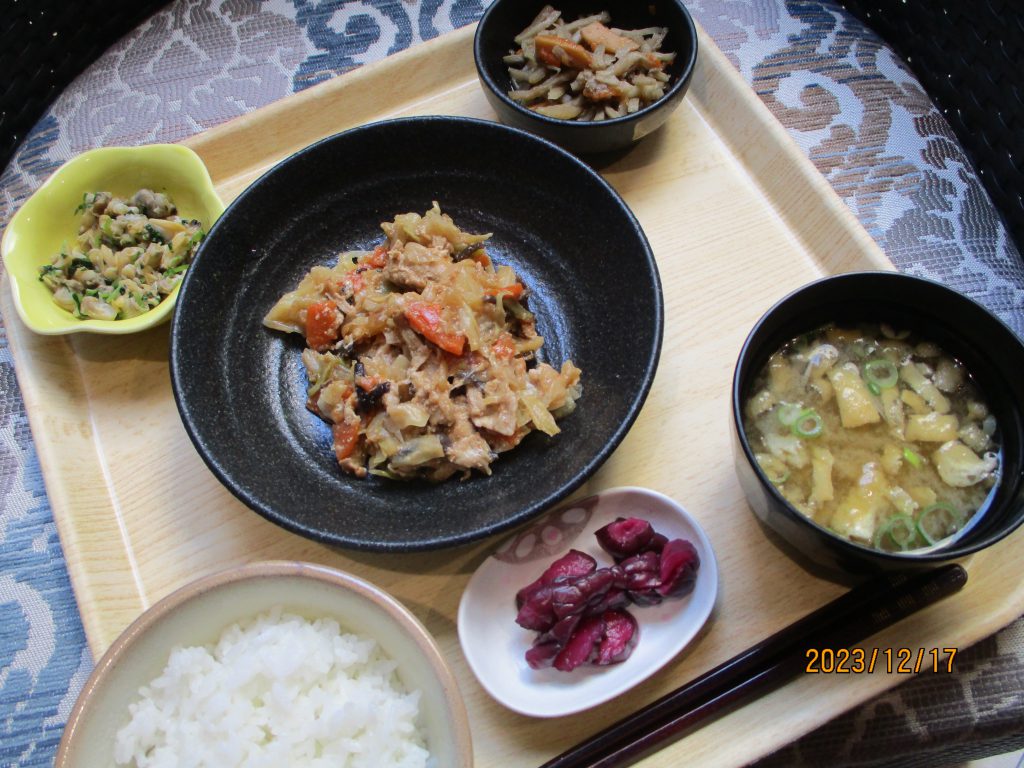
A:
x: 847, y: 620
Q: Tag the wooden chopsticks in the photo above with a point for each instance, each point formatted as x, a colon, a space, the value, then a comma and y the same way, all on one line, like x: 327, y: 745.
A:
x: 847, y: 620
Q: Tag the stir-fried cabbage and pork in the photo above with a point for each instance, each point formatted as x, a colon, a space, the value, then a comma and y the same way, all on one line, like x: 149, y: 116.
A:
x: 128, y: 257
x: 585, y: 70
x: 421, y: 354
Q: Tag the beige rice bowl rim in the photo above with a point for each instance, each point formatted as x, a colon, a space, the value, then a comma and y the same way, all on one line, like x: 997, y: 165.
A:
x: 197, y: 613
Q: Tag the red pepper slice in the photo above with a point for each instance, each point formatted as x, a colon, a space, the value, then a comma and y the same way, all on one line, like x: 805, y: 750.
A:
x: 379, y: 257
x: 353, y: 281
x: 504, y: 346
x: 321, y: 324
x: 425, y: 319
x: 346, y: 436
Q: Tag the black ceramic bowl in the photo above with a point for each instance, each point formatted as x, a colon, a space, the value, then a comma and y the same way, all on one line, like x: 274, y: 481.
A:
x: 240, y: 387
x: 991, y: 353
x: 505, y: 19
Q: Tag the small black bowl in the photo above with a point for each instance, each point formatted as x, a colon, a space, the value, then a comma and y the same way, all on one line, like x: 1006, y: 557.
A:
x: 241, y: 388
x: 991, y: 352
x: 505, y: 19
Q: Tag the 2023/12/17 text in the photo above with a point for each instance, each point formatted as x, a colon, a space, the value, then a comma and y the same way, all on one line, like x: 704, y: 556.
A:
x: 905, y: 661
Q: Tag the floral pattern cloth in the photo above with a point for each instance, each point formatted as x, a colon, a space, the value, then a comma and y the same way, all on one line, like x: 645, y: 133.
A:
x: 847, y: 101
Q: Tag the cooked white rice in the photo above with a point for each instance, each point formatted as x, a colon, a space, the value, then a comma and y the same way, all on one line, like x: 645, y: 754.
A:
x: 276, y: 691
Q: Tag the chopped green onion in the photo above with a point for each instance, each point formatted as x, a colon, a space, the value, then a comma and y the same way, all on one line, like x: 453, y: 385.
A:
x: 777, y: 472
x: 874, y: 389
x: 938, y: 521
x: 808, y: 424
x: 48, y: 271
x: 912, y: 458
x: 155, y: 235
x: 900, y: 530
x: 175, y: 270
x: 788, y: 413
x: 881, y: 372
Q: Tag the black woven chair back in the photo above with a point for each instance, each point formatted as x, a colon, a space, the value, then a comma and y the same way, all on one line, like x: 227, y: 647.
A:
x: 44, y: 45
x: 969, y: 57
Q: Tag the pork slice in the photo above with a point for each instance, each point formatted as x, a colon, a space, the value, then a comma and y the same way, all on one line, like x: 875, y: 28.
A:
x: 493, y: 407
x: 415, y: 266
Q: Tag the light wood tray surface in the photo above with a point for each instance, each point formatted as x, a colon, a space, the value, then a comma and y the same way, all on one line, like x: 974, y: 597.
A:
x: 737, y: 217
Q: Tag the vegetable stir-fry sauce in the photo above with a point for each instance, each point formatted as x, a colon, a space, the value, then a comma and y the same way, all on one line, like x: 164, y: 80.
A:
x: 128, y: 257
x: 877, y: 435
x: 421, y: 354
x: 584, y: 70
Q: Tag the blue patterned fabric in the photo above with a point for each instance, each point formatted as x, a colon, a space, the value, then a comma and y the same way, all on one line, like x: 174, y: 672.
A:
x: 43, y: 657
x: 846, y: 100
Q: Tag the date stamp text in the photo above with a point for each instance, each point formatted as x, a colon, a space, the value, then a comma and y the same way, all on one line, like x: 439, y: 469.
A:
x: 855, y: 661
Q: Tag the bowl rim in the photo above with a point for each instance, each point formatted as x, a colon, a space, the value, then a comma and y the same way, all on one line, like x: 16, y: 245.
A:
x: 166, y: 606
x: 204, y: 188
x: 847, y: 547
x: 682, y: 80
x: 254, y: 502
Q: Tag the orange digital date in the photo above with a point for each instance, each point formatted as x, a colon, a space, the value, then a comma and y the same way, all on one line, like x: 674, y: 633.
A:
x: 903, y: 661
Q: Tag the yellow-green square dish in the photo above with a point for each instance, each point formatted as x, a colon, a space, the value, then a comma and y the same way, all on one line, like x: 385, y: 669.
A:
x: 48, y: 219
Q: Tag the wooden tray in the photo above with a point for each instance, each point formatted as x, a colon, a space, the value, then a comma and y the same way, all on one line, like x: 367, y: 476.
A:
x: 737, y: 217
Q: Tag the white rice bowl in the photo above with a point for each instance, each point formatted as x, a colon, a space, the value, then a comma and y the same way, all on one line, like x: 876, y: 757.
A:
x: 279, y: 690
x: 280, y: 664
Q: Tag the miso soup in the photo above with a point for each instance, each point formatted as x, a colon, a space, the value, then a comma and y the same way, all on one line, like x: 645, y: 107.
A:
x: 878, y: 435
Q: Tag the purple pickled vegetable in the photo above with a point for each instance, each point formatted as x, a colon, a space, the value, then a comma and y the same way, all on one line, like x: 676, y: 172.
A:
x: 639, y: 572
x: 645, y: 597
x: 582, y: 644
x: 579, y: 609
x: 537, y: 611
x: 679, y: 564
x: 620, y: 637
x: 570, y: 565
x: 542, y: 653
x: 625, y: 536
x: 640, y: 577
x: 612, y: 600
x: 574, y: 595
x: 562, y: 630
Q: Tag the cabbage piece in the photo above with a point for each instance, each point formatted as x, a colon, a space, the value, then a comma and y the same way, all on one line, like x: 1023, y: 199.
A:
x: 418, y: 451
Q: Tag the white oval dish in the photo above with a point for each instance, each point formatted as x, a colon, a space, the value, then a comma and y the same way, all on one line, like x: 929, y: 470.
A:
x: 494, y: 645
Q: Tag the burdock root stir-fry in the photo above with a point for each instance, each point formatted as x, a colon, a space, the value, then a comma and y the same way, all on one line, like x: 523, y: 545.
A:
x: 128, y: 257
x: 421, y: 354
x: 584, y: 70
